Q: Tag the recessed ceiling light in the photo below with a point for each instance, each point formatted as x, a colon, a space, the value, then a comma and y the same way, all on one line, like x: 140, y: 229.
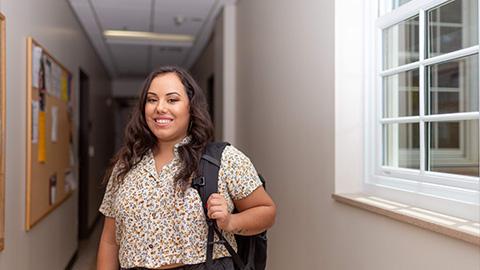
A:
x: 147, y: 36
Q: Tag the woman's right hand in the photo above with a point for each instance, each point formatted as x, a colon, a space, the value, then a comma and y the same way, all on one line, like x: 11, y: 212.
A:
x: 218, y: 210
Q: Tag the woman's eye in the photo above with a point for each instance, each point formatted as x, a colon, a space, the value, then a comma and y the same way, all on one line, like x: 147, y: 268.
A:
x: 151, y: 100
x: 172, y: 100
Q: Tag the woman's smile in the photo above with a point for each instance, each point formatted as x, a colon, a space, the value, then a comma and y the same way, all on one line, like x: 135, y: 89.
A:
x: 163, y: 121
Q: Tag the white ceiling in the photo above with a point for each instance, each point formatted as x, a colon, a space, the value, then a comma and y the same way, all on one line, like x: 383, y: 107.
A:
x: 134, y: 60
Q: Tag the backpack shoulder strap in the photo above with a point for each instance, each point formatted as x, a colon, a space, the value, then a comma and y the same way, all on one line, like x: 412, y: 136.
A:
x: 207, y: 181
x: 206, y: 184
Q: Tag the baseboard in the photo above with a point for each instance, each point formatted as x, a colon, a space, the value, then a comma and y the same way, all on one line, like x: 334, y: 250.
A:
x: 72, y: 260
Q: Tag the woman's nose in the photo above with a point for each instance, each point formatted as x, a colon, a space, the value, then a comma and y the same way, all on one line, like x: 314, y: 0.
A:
x: 161, y: 107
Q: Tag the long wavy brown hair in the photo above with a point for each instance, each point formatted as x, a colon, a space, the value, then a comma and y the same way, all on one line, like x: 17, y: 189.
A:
x: 138, y: 138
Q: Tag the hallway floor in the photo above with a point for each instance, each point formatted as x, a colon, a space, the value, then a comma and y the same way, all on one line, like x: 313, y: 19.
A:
x: 87, y: 250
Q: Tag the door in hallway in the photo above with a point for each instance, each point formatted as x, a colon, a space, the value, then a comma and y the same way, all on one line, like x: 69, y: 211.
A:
x: 211, y: 97
x: 85, y: 127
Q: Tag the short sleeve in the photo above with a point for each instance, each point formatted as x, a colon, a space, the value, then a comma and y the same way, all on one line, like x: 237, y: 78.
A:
x: 107, y: 206
x: 238, y: 173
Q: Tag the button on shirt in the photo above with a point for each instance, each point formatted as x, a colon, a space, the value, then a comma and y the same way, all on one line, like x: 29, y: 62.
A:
x: 159, y: 224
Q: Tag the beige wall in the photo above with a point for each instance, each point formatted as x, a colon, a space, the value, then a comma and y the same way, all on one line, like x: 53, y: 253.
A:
x: 286, y: 124
x: 210, y: 63
x: 219, y: 58
x: 51, y: 243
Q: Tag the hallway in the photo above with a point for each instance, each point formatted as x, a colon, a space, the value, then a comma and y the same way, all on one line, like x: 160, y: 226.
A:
x: 87, y: 251
x: 363, y: 117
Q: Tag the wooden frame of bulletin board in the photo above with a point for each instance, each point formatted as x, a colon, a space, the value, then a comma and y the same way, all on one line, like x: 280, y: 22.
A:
x: 49, y: 134
x: 2, y: 130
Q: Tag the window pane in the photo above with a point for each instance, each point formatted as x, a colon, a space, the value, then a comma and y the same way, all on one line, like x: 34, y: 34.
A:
x: 401, y: 94
x: 453, y: 86
x: 401, y: 145
x: 453, y: 147
x: 397, y: 3
x: 389, y: 5
x: 400, y: 43
x: 452, y: 27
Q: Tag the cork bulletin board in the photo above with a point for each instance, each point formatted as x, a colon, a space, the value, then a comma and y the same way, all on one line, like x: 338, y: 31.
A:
x: 2, y: 131
x: 49, y: 134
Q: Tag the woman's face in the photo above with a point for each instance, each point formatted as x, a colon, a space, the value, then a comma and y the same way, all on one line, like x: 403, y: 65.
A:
x: 167, y: 109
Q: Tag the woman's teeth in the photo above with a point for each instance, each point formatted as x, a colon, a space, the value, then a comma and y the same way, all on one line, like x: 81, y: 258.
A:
x: 163, y: 121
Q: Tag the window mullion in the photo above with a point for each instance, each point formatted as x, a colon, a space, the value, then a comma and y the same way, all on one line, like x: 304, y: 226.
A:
x: 478, y: 44
x: 422, y: 49
x: 452, y: 55
x: 380, y: 155
x: 451, y: 116
x: 396, y: 70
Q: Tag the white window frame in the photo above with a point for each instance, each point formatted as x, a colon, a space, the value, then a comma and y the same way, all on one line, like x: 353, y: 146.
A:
x: 451, y: 194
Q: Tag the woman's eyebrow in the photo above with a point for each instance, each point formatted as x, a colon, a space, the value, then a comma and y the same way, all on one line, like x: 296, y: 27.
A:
x: 173, y: 93
x: 152, y: 93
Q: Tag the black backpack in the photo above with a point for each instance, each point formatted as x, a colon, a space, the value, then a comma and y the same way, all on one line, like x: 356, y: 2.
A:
x: 252, y: 250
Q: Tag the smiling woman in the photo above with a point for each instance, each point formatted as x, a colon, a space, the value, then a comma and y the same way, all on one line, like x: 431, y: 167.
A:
x: 147, y: 131
x: 154, y: 219
x: 167, y: 108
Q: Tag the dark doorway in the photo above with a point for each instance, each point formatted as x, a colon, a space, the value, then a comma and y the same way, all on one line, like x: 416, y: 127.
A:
x: 83, y: 145
x: 211, y: 97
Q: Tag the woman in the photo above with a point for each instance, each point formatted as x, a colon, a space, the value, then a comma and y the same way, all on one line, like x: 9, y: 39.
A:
x: 153, y: 218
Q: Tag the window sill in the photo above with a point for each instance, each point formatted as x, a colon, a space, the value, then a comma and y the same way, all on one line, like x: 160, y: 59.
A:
x: 458, y: 228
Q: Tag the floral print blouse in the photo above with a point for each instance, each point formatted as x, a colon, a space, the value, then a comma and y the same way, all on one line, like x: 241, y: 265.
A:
x: 159, y: 224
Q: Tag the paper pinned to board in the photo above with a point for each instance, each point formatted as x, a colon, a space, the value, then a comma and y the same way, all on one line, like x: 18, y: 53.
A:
x: 36, y: 62
x: 56, y: 79
x: 53, y: 188
x: 35, y: 111
x: 70, y: 182
x: 42, y: 157
x: 64, y: 86
x: 48, y: 75
x: 54, y: 123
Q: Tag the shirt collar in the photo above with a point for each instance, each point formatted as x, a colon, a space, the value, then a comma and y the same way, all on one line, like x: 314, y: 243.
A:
x: 184, y: 141
x: 149, y: 162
